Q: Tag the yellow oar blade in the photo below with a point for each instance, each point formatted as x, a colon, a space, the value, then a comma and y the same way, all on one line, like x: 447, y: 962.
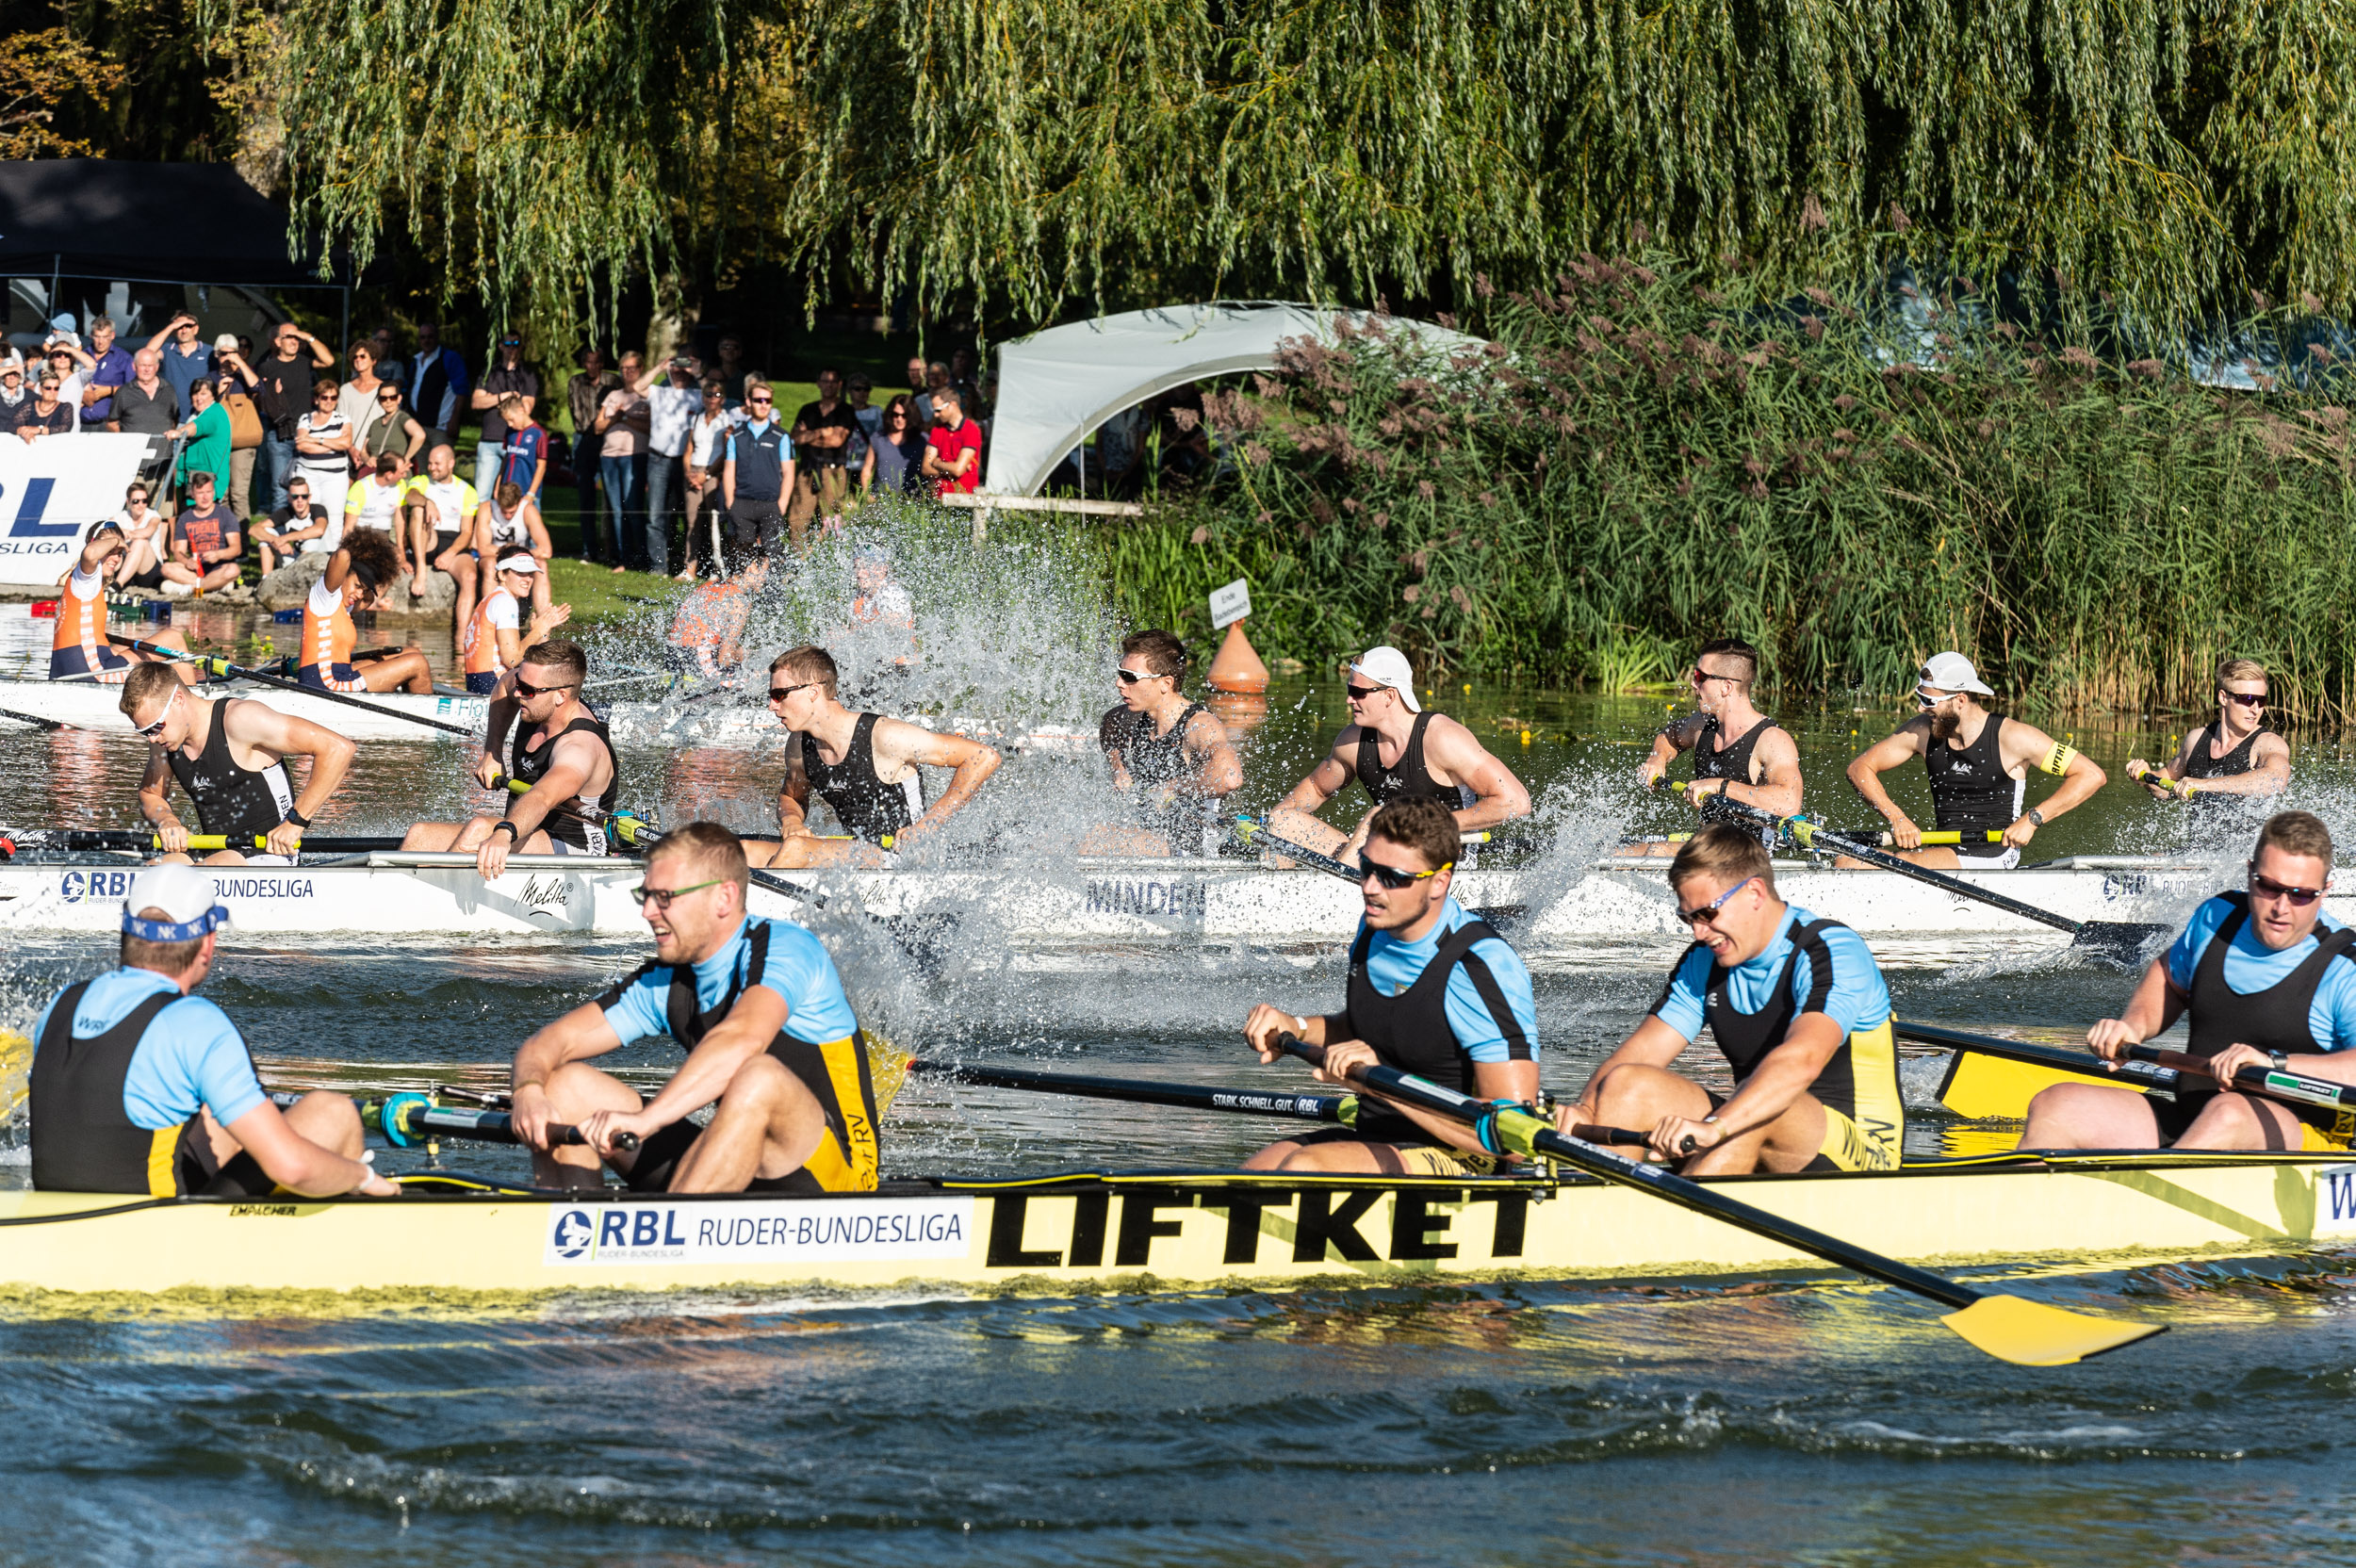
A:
x: 1980, y: 1087
x: 2029, y: 1334
x: 887, y: 1068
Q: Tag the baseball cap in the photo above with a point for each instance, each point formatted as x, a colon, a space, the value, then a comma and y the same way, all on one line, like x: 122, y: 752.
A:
x: 183, y: 893
x: 1951, y: 672
x: 1387, y: 666
x: 226, y: 343
x: 520, y: 562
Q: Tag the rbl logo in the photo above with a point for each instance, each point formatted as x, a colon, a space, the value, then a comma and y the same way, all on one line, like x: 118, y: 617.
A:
x: 31, y: 506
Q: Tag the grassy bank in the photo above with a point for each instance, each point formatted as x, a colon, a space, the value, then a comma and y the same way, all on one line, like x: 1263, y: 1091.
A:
x: 1638, y: 463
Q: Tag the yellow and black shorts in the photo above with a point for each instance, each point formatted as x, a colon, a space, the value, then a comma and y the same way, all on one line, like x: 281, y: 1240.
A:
x: 1411, y: 1158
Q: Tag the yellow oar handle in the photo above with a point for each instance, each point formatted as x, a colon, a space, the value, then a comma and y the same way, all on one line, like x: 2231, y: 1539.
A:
x: 1987, y: 836
x: 2182, y: 788
x: 216, y: 840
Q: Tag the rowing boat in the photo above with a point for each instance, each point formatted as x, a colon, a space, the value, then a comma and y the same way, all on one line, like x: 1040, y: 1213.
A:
x: 1099, y: 901
x: 1165, y: 1231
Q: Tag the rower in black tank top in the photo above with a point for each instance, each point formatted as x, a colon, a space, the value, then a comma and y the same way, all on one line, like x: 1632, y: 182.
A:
x: 1158, y: 761
x: 2272, y: 1020
x: 867, y: 806
x: 578, y: 822
x: 1732, y: 762
x: 239, y: 803
x: 2217, y: 810
x: 1970, y: 792
x: 1408, y: 777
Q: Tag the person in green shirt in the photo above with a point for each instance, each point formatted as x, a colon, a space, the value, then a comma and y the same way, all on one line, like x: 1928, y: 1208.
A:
x: 206, y: 436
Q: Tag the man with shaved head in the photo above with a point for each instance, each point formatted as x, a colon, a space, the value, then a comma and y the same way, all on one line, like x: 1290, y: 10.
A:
x: 771, y: 1041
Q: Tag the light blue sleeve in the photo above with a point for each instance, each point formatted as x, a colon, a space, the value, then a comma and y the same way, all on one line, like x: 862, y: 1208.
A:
x: 800, y: 970
x: 191, y: 1047
x: 641, y: 1009
x: 1858, y: 999
x: 2331, y: 1015
x: 2184, y: 953
x: 1476, y: 1027
x: 1680, y: 1004
x: 41, y: 1024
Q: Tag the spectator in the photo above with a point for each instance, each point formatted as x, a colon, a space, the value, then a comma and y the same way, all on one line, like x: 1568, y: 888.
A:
x: 185, y: 360
x: 389, y: 365
x: 919, y: 384
x: 969, y: 389
x: 822, y: 437
x: 204, y: 438
x: 440, y: 508
x: 437, y: 382
x: 205, y: 542
x: 954, y: 461
x: 110, y: 373
x: 730, y: 368
x: 146, y: 405
x: 234, y: 380
x: 507, y: 524
x: 282, y: 392
x: 392, y: 430
x: 146, y: 534
x: 357, y: 399
x: 583, y: 394
x: 45, y: 412
x: 12, y: 393
x: 526, y: 462
x: 707, y: 449
x: 508, y: 376
x: 302, y: 527
x: 621, y: 425
x: 1120, y: 450
x: 374, y: 500
x: 65, y: 360
x: 857, y: 391
x: 672, y: 399
x: 896, y: 453
x: 323, y: 449
x: 936, y: 379
x: 756, y: 472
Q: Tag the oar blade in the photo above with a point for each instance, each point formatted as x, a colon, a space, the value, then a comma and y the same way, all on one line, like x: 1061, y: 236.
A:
x: 2116, y: 941
x: 2030, y: 1333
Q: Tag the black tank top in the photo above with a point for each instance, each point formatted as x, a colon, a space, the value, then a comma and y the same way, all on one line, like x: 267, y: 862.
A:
x: 1411, y: 1031
x: 869, y: 807
x: 578, y: 822
x: 238, y: 802
x: 1734, y: 762
x: 2272, y: 1020
x: 83, y: 1140
x: 1746, y: 1037
x: 1151, y: 759
x: 1970, y: 792
x: 1407, y: 777
x: 2212, y: 812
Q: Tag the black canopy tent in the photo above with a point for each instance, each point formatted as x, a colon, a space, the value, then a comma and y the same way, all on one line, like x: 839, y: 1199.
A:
x: 123, y: 221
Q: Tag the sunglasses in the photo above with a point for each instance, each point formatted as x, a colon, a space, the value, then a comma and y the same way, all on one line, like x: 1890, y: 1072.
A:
x: 1703, y: 677
x: 1708, y: 913
x: 762, y: 401
x: 388, y: 397
x: 779, y: 693
x: 1928, y: 703
x: 155, y: 731
x: 1130, y: 678
x: 2245, y: 699
x: 663, y: 896
x: 526, y: 689
x: 1392, y: 877
x: 2267, y: 886
x: 1361, y: 693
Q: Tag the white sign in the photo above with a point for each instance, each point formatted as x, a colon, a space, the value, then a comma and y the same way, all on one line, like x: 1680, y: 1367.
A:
x: 2336, y: 1200
x: 1231, y: 603
x: 783, y: 1230
x: 51, y: 492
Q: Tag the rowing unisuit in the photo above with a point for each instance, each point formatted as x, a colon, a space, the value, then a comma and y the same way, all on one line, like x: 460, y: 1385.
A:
x: 1740, y: 757
x: 2227, y: 767
x: 229, y: 757
x: 240, y: 803
x: 576, y: 823
x: 79, y: 646
x: 867, y: 806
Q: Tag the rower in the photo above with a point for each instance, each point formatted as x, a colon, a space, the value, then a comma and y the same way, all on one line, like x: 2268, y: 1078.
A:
x: 558, y: 747
x: 230, y: 756
x: 1432, y: 991
x: 1739, y: 753
x: 1797, y: 1006
x: 2269, y: 980
x: 2232, y: 761
x: 1168, y: 754
x: 1397, y: 750
x: 861, y: 764
x: 139, y: 1086
x: 362, y: 567
x: 883, y: 615
x: 495, y: 638
x: 707, y: 634
x: 80, y: 648
x: 507, y: 523
x: 1978, y: 764
x: 769, y: 1035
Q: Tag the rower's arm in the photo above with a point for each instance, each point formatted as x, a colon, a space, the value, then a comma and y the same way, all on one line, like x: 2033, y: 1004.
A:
x: 1672, y: 738
x: 1779, y: 789
x: 1866, y: 768
x: 584, y: 1033
x: 752, y: 1023
x: 2156, y: 1004
x: 567, y: 777
x: 291, y: 1160
x: 155, y: 800
x: 1499, y: 797
x: 1651, y: 1043
x: 973, y: 763
x: 1324, y: 781
x: 1782, y: 1075
x: 2027, y: 746
x: 1514, y: 1081
x: 266, y: 729
x: 2269, y: 771
x: 794, y: 794
x: 1221, y: 772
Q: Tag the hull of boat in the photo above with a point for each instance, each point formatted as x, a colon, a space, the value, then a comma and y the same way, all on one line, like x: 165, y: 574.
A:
x: 1167, y: 1232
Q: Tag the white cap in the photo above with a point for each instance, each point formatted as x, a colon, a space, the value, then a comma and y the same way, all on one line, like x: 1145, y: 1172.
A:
x: 1951, y: 672
x: 521, y: 562
x: 12, y: 361
x: 183, y: 893
x: 225, y: 344
x: 1387, y: 666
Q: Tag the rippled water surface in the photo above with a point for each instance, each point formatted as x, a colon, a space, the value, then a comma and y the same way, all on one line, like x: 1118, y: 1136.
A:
x: 1794, y: 1420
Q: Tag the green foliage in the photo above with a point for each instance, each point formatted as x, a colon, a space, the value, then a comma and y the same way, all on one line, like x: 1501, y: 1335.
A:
x: 1643, y: 448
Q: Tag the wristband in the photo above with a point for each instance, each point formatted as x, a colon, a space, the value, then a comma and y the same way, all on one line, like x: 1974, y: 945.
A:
x: 297, y: 818
x: 504, y: 822
x: 2058, y: 759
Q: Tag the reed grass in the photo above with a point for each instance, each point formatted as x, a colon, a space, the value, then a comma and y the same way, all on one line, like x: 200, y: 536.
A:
x: 1645, y: 457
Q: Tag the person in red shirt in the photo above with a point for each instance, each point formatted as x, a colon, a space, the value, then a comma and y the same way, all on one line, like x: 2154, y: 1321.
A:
x: 952, y: 448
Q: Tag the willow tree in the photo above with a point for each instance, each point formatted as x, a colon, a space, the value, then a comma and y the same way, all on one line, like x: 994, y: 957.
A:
x: 1029, y: 156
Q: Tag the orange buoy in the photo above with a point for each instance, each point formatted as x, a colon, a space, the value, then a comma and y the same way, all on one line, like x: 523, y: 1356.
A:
x: 1240, y: 712
x: 1237, y: 668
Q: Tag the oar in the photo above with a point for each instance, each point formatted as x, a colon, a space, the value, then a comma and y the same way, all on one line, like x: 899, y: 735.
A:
x: 409, y: 1119
x: 35, y: 720
x: 1948, y: 836
x: 77, y: 840
x: 2147, y: 1067
x: 2177, y: 788
x: 2008, y: 1327
x: 2118, y: 942
x: 216, y: 666
x: 1252, y: 833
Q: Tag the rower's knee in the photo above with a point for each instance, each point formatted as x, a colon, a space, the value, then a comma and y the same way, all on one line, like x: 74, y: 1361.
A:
x: 765, y: 1080
x: 2088, y: 1116
x: 329, y: 1119
x: 576, y: 1090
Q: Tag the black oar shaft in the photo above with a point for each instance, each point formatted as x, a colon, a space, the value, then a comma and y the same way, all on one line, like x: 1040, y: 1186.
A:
x: 84, y: 840
x: 1335, y: 1108
x: 219, y: 666
x: 2148, y: 1064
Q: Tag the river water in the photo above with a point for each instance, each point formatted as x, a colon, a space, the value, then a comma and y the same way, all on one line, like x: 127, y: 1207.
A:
x: 1807, y: 1420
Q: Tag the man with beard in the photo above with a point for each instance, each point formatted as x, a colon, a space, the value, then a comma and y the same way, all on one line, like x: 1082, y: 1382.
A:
x: 1978, y: 764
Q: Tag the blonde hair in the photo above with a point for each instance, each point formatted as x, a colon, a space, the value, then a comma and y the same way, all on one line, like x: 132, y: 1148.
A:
x: 2240, y: 669
x: 712, y: 848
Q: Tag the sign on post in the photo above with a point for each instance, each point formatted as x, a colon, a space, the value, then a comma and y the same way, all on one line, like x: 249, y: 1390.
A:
x: 1231, y: 603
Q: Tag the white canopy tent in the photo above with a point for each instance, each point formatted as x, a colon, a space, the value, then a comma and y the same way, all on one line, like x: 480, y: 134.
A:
x: 1055, y: 387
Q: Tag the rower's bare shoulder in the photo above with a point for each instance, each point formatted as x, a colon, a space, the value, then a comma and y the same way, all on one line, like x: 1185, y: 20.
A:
x: 2023, y: 742
x: 1204, y: 732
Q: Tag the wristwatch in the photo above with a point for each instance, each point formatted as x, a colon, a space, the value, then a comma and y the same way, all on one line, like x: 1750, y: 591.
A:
x: 297, y: 818
x: 2036, y: 816
x: 2281, y: 1063
x: 504, y: 822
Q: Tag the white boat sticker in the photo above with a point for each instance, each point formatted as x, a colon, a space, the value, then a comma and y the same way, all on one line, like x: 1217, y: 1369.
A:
x: 2336, y: 1200
x: 102, y: 886
x: 785, y: 1230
